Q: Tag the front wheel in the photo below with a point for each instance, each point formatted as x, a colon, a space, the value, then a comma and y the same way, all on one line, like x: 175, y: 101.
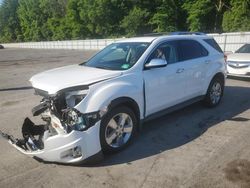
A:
x: 214, y: 93
x: 118, y: 128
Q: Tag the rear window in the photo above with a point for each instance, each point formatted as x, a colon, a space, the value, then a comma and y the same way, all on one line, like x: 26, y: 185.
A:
x: 190, y: 49
x: 214, y: 44
x: 244, y: 49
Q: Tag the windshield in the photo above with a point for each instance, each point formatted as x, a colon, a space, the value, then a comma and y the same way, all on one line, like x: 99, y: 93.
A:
x: 118, y: 56
x: 244, y: 49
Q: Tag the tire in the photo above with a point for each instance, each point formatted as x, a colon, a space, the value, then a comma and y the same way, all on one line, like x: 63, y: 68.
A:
x: 214, y: 92
x: 118, y: 128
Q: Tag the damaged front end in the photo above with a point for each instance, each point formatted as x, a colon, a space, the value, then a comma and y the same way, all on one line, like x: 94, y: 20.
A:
x: 66, y: 136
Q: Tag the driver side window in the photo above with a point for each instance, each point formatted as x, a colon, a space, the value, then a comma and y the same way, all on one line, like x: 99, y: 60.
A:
x: 166, y: 51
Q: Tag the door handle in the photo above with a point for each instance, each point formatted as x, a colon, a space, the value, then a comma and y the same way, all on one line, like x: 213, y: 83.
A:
x: 207, y: 61
x: 180, y: 70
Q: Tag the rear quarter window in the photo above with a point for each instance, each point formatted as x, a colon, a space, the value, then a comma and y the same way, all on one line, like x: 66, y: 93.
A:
x: 190, y: 49
x: 213, y: 44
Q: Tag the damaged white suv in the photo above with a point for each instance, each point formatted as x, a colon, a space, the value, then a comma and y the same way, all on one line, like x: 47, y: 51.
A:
x: 98, y: 106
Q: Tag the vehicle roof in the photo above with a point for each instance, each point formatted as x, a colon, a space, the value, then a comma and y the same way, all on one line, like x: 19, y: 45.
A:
x: 138, y: 39
x: 151, y: 39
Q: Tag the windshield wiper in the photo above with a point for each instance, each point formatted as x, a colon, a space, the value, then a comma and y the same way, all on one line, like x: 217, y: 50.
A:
x: 102, y: 67
x: 83, y: 63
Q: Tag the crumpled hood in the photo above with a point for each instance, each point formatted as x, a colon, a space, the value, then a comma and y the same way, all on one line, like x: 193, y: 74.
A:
x: 244, y: 57
x: 74, y: 75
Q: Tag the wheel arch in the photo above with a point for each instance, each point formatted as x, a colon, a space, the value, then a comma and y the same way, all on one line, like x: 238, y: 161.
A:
x: 130, y: 103
x: 207, y: 99
x: 220, y: 76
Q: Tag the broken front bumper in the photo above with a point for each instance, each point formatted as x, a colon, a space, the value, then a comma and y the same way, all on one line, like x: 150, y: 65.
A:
x: 73, y: 147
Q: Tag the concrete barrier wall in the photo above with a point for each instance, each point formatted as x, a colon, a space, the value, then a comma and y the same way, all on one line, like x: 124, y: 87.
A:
x: 227, y: 42
x: 231, y: 41
x: 70, y: 44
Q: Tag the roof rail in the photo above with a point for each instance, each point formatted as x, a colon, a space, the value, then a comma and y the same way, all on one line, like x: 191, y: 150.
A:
x: 173, y: 33
x: 186, y: 33
x: 155, y: 34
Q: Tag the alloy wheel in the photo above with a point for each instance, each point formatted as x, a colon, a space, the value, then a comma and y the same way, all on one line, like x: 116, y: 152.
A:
x: 215, y: 93
x: 119, y: 130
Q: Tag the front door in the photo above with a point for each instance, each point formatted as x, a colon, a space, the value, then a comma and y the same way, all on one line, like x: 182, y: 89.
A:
x: 164, y: 86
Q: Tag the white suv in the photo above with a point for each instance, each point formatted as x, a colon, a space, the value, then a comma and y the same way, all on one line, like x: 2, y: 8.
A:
x: 99, y: 105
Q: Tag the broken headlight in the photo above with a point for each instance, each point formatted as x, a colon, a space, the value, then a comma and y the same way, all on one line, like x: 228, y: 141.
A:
x: 75, y: 97
x: 81, y: 122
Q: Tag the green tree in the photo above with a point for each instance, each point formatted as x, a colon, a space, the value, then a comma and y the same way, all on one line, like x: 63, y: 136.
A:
x: 221, y: 6
x: 134, y: 23
x: 102, y: 17
x: 168, y: 16
x: 238, y: 17
x: 205, y: 15
x: 10, y: 30
x: 31, y: 20
x: 199, y: 14
x: 36, y: 20
x: 54, y: 12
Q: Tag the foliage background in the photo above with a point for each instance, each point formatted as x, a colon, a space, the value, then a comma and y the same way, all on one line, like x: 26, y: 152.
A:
x: 40, y: 20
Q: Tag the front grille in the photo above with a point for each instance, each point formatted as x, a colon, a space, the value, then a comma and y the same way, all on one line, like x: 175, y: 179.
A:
x: 238, y: 64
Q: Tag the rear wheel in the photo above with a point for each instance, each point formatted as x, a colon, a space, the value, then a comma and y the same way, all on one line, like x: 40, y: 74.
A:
x: 118, y: 128
x: 214, y: 92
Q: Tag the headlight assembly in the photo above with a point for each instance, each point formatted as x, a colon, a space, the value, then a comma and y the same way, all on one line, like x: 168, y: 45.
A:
x: 75, y: 97
x: 81, y: 122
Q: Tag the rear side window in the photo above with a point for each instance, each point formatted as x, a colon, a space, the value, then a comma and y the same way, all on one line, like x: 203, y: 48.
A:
x: 214, y: 44
x: 190, y: 49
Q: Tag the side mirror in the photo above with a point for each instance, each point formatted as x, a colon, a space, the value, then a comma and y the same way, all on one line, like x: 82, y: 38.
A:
x: 156, y: 63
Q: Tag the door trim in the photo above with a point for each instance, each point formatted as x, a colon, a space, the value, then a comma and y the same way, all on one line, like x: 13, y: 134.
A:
x: 173, y: 108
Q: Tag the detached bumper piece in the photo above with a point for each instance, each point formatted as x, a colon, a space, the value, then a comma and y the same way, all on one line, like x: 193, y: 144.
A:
x: 11, y: 139
x: 32, y: 136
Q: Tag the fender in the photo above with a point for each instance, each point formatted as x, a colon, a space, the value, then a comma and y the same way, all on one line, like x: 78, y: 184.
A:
x: 105, y: 94
x: 217, y: 68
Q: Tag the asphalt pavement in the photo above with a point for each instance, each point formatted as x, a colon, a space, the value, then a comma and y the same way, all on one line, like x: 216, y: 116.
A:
x: 193, y: 147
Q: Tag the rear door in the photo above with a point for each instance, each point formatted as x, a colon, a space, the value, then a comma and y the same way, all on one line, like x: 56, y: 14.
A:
x: 196, y: 61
